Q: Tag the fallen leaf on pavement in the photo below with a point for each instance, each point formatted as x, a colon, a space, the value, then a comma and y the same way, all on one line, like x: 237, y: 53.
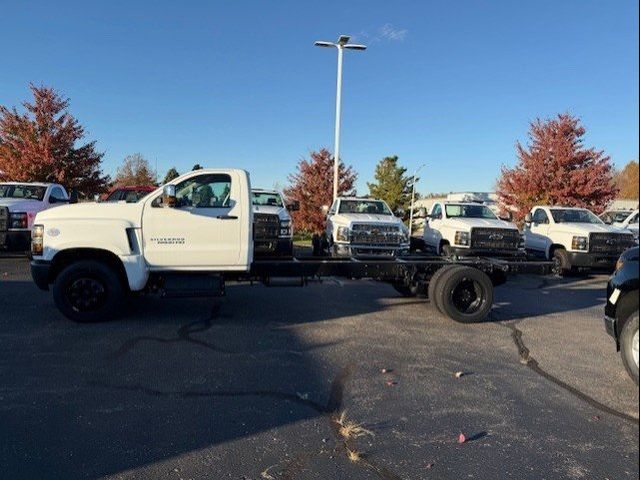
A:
x: 462, y: 438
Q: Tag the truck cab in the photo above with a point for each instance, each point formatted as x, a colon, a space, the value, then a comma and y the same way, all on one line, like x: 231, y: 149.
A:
x: 468, y: 228
x: 19, y: 204
x: 364, y: 226
x: 272, y: 224
x: 574, y: 238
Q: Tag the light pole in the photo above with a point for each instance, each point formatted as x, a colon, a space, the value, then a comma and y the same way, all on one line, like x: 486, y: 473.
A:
x: 413, y: 197
x: 340, y: 45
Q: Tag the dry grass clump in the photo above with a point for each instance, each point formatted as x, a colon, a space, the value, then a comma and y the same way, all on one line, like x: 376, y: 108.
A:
x: 349, y: 429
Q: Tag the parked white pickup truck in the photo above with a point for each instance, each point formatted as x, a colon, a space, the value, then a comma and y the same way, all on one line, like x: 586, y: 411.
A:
x: 574, y: 238
x: 19, y: 204
x: 364, y: 226
x: 622, y: 219
x: 272, y: 225
x: 463, y: 229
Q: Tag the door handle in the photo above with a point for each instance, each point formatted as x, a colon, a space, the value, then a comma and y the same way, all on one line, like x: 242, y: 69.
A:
x: 227, y: 217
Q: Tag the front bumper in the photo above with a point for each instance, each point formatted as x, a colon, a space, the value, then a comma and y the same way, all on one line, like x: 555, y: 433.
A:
x: 486, y: 252
x: 593, y: 260
x: 40, y: 273
x: 17, y: 240
x: 354, y: 250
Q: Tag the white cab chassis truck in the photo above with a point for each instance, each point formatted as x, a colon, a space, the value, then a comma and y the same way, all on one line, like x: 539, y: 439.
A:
x: 19, y: 204
x: 272, y: 224
x: 364, y: 227
x: 574, y: 238
x: 464, y: 229
x: 189, y: 237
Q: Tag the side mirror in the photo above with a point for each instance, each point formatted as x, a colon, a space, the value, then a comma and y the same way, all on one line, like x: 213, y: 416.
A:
x: 528, y: 219
x: 293, y: 206
x: 608, y: 221
x: 169, y: 196
x: 506, y: 216
x: 73, y: 196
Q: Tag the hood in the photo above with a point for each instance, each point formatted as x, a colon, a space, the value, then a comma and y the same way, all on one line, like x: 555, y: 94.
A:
x: 468, y: 223
x: 91, y: 211
x: 272, y: 210
x: 585, y: 228
x: 20, y: 204
x: 349, y: 218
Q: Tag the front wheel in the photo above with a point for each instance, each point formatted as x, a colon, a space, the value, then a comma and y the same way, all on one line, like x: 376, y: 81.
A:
x: 88, y: 291
x: 561, y: 262
x: 629, y: 346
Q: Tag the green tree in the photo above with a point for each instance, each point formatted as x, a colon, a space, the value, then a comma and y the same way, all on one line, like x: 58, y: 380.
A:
x: 197, y: 166
x: 392, y: 185
x: 171, y: 174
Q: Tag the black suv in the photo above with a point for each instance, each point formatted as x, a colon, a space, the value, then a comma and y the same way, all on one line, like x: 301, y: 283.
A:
x: 621, y: 312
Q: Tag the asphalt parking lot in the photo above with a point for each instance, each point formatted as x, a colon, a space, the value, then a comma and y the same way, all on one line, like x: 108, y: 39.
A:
x: 251, y: 386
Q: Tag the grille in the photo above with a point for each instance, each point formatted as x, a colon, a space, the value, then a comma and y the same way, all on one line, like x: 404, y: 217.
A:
x: 265, y: 226
x: 613, y: 243
x: 495, y: 238
x: 371, y: 234
x: 4, y: 219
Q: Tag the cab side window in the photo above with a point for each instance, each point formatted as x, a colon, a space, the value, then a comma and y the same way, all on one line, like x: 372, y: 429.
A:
x: 540, y: 217
x: 58, y: 194
x: 204, y: 191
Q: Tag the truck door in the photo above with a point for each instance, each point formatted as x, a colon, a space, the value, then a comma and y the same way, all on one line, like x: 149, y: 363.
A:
x: 204, y: 230
x: 537, y: 234
x: 432, y: 226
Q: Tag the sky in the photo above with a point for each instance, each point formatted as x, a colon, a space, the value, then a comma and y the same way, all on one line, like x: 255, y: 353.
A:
x: 452, y: 85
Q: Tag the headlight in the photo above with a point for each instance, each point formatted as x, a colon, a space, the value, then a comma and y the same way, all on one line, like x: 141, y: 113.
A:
x: 18, y: 220
x: 342, y: 235
x: 462, y: 238
x: 37, y: 244
x: 580, y: 243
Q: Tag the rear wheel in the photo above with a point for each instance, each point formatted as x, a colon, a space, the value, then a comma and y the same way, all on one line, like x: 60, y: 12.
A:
x: 465, y: 294
x: 88, y: 291
x: 629, y: 345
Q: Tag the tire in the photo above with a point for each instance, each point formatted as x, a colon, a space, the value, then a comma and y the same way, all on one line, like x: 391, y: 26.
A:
x: 465, y: 294
x: 434, y: 282
x: 403, y: 289
x: 561, y: 262
x: 88, y: 291
x: 629, y: 346
x: 446, y: 251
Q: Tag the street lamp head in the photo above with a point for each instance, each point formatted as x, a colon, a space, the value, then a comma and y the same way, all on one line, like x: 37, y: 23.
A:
x: 353, y: 46
x: 324, y: 44
x: 343, y: 40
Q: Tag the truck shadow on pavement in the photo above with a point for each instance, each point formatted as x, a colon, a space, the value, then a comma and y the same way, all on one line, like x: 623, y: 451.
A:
x: 171, y: 380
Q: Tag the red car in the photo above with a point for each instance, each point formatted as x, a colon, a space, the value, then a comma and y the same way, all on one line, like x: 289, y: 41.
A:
x: 128, y: 194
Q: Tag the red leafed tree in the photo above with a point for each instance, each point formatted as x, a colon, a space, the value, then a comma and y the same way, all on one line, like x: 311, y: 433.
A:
x: 556, y: 169
x: 312, y: 186
x: 40, y: 145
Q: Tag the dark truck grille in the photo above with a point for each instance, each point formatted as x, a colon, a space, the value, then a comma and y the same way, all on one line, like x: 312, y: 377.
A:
x: 610, y: 243
x: 265, y: 226
x: 4, y: 225
x: 495, y: 238
x: 371, y: 234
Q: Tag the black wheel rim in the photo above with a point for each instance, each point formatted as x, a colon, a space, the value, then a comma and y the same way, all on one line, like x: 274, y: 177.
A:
x: 468, y: 296
x: 86, y: 294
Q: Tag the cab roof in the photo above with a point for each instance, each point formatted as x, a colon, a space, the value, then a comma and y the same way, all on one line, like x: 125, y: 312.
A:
x: 35, y: 184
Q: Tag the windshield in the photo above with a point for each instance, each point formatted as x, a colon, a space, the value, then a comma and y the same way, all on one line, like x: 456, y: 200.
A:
x: 129, y: 196
x: 27, y: 192
x: 469, y: 211
x: 267, y: 199
x: 374, y: 207
x: 565, y: 215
